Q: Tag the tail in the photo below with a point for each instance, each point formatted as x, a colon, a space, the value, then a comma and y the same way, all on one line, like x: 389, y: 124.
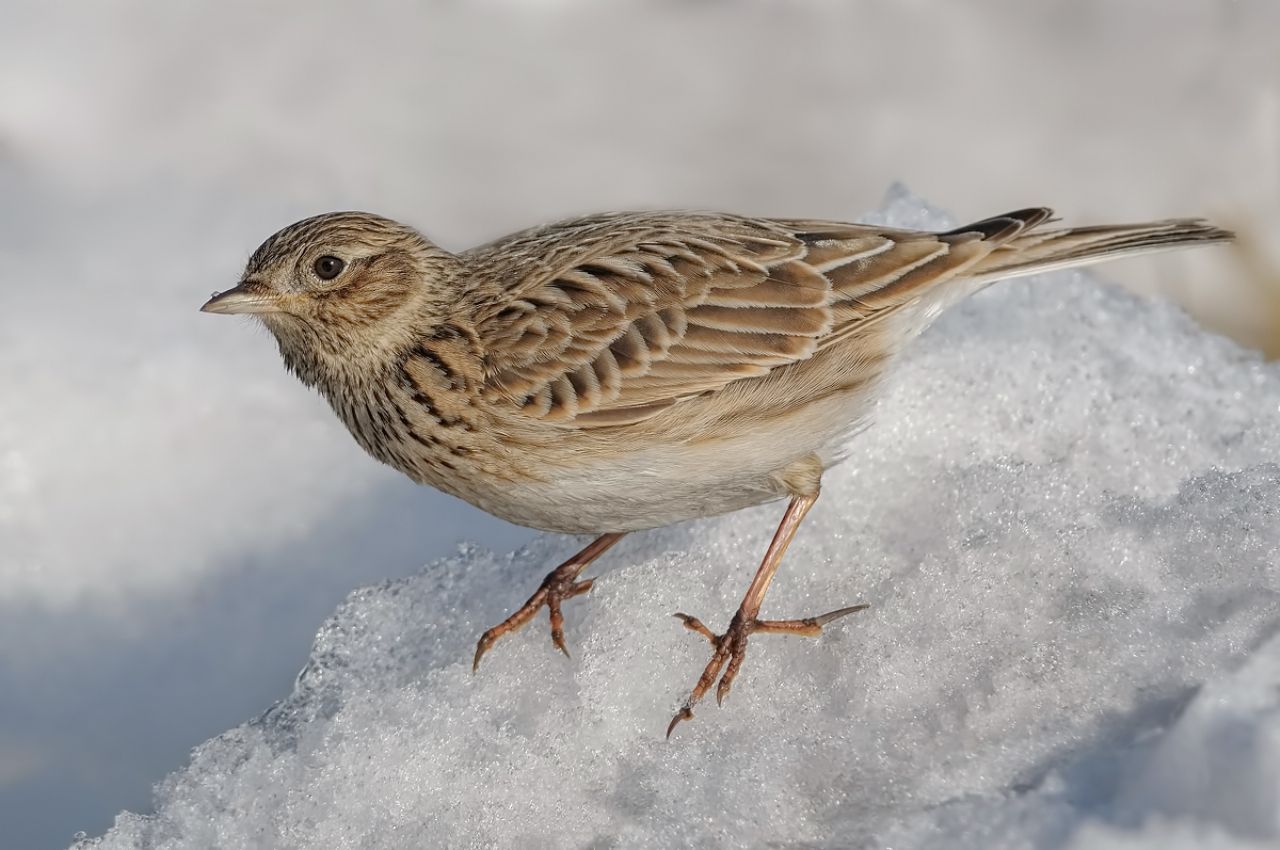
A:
x: 1023, y: 249
x: 916, y: 275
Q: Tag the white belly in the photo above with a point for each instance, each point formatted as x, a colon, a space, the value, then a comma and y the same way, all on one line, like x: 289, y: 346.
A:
x: 669, y: 483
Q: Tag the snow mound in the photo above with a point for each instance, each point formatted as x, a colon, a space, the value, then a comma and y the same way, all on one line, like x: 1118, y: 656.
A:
x: 1066, y: 521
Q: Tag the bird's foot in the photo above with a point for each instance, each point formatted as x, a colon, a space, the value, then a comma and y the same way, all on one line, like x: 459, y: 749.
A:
x: 730, y: 649
x: 560, y: 584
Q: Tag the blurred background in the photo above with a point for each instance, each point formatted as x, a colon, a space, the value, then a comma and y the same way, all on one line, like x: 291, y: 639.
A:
x: 178, y: 516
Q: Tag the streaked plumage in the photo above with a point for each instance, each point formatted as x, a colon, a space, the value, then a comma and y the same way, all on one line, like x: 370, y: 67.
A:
x: 626, y: 371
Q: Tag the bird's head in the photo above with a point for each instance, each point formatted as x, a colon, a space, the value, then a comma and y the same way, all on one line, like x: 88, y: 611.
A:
x: 343, y: 288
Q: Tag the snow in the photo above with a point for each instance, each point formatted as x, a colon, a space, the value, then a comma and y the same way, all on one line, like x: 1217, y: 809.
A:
x: 178, y: 515
x: 1066, y: 522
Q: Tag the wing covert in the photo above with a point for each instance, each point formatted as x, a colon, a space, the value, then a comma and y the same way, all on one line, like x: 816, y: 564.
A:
x: 613, y: 319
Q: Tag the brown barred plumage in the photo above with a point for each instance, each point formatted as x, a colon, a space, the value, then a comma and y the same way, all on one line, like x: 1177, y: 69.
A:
x: 631, y: 370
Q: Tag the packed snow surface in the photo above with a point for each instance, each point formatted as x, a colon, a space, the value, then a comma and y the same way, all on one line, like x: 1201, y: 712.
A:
x: 1066, y: 521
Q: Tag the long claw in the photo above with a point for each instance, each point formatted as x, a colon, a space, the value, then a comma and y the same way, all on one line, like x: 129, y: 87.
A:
x: 685, y: 713
x: 838, y: 613
x: 482, y: 646
x: 807, y: 627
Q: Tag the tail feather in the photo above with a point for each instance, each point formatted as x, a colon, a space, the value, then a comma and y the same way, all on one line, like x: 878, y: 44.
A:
x: 1033, y: 252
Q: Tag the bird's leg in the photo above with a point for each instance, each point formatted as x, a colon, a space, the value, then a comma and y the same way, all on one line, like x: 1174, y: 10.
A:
x: 731, y: 647
x: 560, y: 584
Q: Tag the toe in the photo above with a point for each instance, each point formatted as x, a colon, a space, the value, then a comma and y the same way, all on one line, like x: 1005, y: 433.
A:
x: 557, y: 624
x: 737, y: 652
x: 693, y: 624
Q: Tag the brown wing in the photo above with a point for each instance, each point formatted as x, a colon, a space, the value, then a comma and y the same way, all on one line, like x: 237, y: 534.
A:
x: 613, y: 319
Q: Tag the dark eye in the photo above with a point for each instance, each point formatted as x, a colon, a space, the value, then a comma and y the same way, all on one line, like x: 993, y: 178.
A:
x: 327, y: 267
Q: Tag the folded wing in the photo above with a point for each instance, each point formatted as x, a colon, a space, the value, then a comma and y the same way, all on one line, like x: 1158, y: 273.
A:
x: 610, y: 320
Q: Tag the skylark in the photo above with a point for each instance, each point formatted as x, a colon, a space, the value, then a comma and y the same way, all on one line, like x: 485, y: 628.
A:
x: 626, y: 371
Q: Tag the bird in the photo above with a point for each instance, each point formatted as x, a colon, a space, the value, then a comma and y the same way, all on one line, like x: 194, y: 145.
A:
x: 626, y: 371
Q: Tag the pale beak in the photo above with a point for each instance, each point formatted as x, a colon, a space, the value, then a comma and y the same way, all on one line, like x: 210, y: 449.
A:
x: 249, y: 297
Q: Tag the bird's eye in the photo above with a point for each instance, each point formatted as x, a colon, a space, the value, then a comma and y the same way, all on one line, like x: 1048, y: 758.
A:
x: 327, y: 267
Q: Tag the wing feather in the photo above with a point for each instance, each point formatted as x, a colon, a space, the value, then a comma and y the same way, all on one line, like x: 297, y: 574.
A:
x: 612, y: 319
